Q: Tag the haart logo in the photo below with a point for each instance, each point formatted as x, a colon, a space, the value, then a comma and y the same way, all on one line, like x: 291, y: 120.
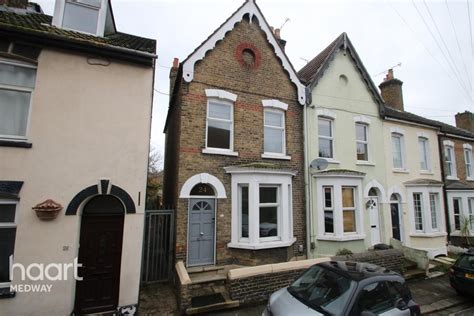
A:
x: 41, y: 272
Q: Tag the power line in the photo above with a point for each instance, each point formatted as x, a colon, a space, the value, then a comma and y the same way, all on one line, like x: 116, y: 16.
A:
x: 439, y: 46
x: 444, y: 43
x: 426, y: 48
x: 457, y: 41
x: 470, y: 26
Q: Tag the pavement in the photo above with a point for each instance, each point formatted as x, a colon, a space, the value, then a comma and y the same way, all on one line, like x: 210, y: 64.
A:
x: 435, y: 296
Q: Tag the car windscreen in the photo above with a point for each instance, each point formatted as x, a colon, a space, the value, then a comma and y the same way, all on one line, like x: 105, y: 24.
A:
x: 323, y: 290
x: 466, y: 261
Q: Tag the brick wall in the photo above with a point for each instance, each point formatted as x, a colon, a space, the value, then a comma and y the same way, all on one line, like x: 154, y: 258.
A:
x: 220, y: 69
x: 258, y: 288
x: 459, y: 156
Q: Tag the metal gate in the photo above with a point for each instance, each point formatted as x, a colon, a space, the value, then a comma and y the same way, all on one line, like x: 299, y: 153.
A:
x: 158, y: 246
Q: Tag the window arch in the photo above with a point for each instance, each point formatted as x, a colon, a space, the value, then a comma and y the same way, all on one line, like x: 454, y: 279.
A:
x: 205, y: 178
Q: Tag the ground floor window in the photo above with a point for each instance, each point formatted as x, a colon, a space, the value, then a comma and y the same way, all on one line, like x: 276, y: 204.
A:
x: 424, y: 205
x: 8, y: 215
x: 262, y: 211
x: 461, y: 210
x: 338, y: 208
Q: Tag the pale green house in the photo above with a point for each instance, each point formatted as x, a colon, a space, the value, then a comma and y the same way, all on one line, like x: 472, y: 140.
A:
x: 347, y: 201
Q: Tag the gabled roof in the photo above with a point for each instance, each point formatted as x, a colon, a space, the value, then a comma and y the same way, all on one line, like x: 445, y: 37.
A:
x: 37, y: 27
x: 250, y: 8
x: 314, y: 70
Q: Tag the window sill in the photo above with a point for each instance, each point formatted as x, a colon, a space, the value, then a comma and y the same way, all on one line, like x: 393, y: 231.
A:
x: 262, y: 245
x: 451, y: 178
x: 429, y: 235
x: 427, y: 172
x: 341, y: 238
x: 400, y: 170
x: 275, y: 156
x: 15, y: 143
x: 469, y: 179
x: 364, y: 163
x: 215, y: 151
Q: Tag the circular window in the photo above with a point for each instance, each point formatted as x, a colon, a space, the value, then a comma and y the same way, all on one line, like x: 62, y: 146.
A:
x: 248, y: 57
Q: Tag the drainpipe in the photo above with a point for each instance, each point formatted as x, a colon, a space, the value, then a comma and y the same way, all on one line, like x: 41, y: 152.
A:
x: 307, y: 185
x: 445, y: 194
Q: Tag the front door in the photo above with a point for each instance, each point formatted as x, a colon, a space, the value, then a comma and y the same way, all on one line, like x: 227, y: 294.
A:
x: 100, y: 253
x: 201, y: 232
x: 374, y: 220
x: 395, y: 221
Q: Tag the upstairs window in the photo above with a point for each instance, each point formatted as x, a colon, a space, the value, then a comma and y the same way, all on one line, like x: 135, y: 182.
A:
x: 219, y: 124
x: 398, y: 151
x: 274, y: 131
x: 362, y: 142
x: 468, y: 161
x: 449, y: 160
x: 82, y: 15
x: 325, y: 137
x: 17, y: 82
x: 424, y: 153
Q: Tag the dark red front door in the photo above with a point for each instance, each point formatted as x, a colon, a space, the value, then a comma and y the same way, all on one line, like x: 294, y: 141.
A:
x: 100, y: 253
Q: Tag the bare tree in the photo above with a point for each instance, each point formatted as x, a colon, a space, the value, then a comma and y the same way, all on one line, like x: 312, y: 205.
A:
x: 155, y: 161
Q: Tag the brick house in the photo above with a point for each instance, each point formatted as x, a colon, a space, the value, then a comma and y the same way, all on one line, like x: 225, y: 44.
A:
x: 234, y: 151
x: 75, y: 104
x: 457, y: 152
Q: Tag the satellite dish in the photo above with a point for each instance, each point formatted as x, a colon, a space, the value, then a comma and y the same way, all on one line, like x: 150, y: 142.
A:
x: 319, y: 164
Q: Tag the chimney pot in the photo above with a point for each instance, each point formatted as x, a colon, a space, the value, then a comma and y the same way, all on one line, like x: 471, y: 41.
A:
x: 277, y: 34
x: 175, y: 62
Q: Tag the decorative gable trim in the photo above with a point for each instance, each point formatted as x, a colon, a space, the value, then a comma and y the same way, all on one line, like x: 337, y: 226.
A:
x: 251, y: 8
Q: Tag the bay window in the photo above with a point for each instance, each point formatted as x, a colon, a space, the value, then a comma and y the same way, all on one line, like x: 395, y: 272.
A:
x: 461, y: 210
x: 348, y: 209
x: 262, y: 210
x: 425, y: 213
x: 328, y: 210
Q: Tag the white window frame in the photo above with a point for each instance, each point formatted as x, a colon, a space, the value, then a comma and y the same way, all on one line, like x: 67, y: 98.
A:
x: 331, y: 138
x: 255, y: 178
x: 401, y: 136
x: 228, y: 99
x: 328, y: 209
x: 278, y: 205
x: 239, y: 188
x: 338, y: 183
x: 468, y: 157
x: 466, y: 209
x: 350, y: 208
x: 365, y: 142
x: 9, y: 225
x: 19, y: 89
x: 60, y: 7
x: 275, y: 155
x: 434, y: 210
x: 450, y: 164
x: 424, y: 153
x: 427, y: 230
x: 415, y: 211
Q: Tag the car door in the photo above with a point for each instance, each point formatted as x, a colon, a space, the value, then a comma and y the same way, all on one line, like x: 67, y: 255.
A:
x: 381, y: 298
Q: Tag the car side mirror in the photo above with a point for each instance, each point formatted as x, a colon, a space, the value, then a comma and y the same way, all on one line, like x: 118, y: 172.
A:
x: 367, y: 313
x: 401, y: 304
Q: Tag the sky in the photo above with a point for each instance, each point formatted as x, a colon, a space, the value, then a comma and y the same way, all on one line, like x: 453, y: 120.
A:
x: 432, y: 40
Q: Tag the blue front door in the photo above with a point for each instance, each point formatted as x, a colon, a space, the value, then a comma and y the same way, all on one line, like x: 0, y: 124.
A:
x: 201, y: 232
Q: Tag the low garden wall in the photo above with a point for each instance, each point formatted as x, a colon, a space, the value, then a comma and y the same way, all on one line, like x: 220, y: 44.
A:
x: 255, y: 284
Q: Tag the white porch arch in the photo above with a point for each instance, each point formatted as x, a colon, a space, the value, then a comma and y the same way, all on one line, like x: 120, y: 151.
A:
x: 375, y: 184
x: 396, y: 189
x: 207, y: 178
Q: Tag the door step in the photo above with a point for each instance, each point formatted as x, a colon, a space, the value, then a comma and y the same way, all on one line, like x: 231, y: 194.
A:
x: 211, y: 302
x: 414, y: 274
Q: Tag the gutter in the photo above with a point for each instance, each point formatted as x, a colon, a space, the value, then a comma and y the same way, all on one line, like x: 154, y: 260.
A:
x: 307, y: 185
x: 45, y: 39
x: 445, y: 193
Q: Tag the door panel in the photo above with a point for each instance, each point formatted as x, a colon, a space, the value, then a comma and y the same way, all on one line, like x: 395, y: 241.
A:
x: 394, y: 212
x: 374, y: 221
x: 201, y: 232
x: 100, y: 253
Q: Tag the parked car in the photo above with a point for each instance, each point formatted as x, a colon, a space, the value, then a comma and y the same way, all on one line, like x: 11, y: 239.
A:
x: 461, y: 274
x: 344, y: 288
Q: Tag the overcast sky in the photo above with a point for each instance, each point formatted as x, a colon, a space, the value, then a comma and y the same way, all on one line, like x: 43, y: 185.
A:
x: 431, y: 39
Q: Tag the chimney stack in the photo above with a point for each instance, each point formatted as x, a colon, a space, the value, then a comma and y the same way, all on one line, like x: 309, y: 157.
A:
x: 21, y: 4
x: 391, y: 90
x: 280, y: 41
x: 173, y: 74
x: 465, y: 121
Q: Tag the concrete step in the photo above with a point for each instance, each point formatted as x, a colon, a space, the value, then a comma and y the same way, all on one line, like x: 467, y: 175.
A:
x: 204, y: 278
x: 444, y: 260
x: 212, y: 307
x: 413, y: 274
x: 200, y: 269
